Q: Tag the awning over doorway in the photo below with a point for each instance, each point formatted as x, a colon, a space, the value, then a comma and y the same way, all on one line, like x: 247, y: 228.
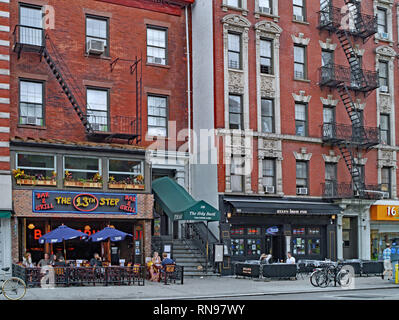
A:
x: 178, y: 204
x: 283, y: 206
x: 5, y: 214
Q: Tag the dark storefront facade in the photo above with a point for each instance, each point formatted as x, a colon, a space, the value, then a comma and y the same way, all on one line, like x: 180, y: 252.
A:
x: 251, y: 226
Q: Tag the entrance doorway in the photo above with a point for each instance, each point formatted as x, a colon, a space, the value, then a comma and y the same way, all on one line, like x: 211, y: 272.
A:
x: 349, y: 237
x: 274, y: 245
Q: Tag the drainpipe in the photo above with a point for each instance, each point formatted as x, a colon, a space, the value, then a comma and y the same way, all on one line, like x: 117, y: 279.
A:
x: 188, y: 99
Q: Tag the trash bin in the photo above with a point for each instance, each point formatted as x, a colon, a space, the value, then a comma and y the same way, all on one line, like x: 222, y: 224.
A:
x: 395, y: 264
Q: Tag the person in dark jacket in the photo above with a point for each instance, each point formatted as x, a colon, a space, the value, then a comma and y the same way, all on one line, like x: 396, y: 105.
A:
x: 96, y: 261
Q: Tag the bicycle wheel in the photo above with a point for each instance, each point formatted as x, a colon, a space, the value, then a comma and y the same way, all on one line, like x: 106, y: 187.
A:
x: 344, y: 278
x: 313, y: 278
x: 323, y: 279
x: 14, y: 288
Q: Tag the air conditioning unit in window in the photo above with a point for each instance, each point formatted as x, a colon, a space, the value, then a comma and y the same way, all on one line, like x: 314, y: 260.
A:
x: 269, y: 189
x: 384, y: 35
x: 31, y: 120
x: 385, y: 195
x: 95, y: 47
x: 156, y: 60
x: 96, y: 126
x: 301, y: 190
x: 384, y: 89
x: 299, y: 18
x: 265, y: 10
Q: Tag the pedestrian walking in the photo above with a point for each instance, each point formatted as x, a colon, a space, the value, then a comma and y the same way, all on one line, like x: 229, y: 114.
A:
x: 386, y: 254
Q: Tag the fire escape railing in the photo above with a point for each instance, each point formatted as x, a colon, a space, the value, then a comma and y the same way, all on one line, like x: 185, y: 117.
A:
x: 345, y: 190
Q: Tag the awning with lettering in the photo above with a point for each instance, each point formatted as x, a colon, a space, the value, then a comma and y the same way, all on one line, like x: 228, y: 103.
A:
x: 5, y: 214
x: 282, y: 206
x: 178, y: 204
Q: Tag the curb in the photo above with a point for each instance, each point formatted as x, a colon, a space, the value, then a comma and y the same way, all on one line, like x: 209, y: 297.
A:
x: 269, y: 294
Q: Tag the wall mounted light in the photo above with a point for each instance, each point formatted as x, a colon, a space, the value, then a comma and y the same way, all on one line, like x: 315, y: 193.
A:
x: 31, y: 226
x: 228, y: 215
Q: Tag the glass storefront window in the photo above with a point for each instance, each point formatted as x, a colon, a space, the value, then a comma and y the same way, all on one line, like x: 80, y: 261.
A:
x: 253, y: 247
x: 296, y: 231
x: 298, y: 246
x: 253, y: 231
x: 82, y: 168
x: 379, y: 241
x: 313, y: 246
x: 313, y: 231
x: 237, y: 247
x: 237, y: 231
x: 36, y: 165
x: 124, y: 170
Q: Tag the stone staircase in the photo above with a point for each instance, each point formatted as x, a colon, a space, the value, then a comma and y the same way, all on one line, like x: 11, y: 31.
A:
x: 191, y: 258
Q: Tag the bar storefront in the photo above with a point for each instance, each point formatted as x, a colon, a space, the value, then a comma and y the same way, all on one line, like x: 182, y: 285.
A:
x: 384, y: 226
x: 256, y: 225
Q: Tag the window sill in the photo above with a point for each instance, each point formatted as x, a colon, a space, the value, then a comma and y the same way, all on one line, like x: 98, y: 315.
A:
x: 301, y: 22
x: 243, y: 11
x: 27, y: 126
x: 157, y: 65
x: 302, y: 80
x: 235, y: 70
x: 259, y: 14
x: 377, y: 39
x: 383, y: 93
x: 99, y: 57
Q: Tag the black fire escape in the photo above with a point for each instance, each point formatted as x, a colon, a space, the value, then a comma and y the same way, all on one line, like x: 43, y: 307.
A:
x: 98, y: 127
x: 353, y: 80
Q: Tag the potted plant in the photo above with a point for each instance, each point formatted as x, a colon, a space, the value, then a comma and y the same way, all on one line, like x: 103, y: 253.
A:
x: 21, y: 178
x: 95, y: 182
x: 136, y: 183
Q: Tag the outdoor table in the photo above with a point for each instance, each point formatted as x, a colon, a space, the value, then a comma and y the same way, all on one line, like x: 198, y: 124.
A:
x: 279, y: 270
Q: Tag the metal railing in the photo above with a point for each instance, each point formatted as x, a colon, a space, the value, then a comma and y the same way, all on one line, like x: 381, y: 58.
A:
x: 114, y: 124
x: 345, y: 190
x: 362, y: 136
x: 361, y: 25
x: 332, y: 75
x: 30, y: 36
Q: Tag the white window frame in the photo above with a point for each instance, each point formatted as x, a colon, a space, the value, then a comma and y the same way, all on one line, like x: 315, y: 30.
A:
x: 110, y: 173
x: 54, y: 169
x: 81, y: 170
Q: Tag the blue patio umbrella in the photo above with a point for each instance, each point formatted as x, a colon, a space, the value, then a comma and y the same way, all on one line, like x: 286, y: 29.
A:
x: 109, y: 233
x: 61, y: 234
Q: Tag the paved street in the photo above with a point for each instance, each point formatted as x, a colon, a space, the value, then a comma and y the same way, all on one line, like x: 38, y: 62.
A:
x: 226, y: 288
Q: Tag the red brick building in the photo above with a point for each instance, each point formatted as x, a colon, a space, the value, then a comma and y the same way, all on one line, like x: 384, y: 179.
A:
x: 89, y: 80
x: 290, y: 90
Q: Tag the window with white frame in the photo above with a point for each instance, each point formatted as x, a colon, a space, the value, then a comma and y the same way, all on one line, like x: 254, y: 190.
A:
x: 97, y: 108
x: 299, y: 10
x: 301, y: 127
x: 386, y: 180
x: 266, y: 6
x: 234, y: 51
x: 235, y: 112
x: 157, y: 116
x: 81, y: 168
x: 31, y: 108
x: 97, y: 30
x: 382, y: 23
x: 269, y: 175
x: 125, y: 171
x: 234, y: 3
x: 266, y: 56
x: 267, y: 114
x: 383, y: 76
x: 31, y: 25
x: 39, y: 166
x: 157, y: 45
x: 237, y: 170
x: 385, y: 132
x: 302, y: 177
x: 300, y: 62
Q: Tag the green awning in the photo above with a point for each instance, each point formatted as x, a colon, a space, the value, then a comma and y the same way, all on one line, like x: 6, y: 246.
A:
x: 178, y: 204
x: 5, y: 214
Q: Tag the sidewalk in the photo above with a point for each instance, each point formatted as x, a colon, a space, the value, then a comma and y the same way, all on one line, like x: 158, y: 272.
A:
x: 195, y: 288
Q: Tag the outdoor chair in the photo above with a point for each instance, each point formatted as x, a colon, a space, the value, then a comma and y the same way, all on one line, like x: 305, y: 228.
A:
x: 168, y: 274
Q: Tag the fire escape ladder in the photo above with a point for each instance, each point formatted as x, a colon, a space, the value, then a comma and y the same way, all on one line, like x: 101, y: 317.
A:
x: 67, y: 90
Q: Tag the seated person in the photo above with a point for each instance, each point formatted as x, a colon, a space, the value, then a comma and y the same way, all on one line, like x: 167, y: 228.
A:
x: 290, y: 258
x: 96, y: 261
x: 166, y: 260
x: 60, y: 262
x: 265, y: 258
x: 154, y: 265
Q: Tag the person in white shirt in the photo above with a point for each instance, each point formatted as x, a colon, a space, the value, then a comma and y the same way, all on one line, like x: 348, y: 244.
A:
x: 290, y: 258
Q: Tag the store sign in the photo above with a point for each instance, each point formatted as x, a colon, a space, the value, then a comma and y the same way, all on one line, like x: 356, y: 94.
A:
x: 291, y: 211
x: 272, y: 230
x: 384, y: 213
x: 80, y: 202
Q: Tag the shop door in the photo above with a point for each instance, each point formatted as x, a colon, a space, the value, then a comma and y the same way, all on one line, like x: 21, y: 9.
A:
x: 349, y: 237
x: 274, y: 246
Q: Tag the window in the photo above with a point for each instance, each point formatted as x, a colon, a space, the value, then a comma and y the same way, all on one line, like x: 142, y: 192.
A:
x: 234, y: 3
x: 385, y: 132
x: 157, y: 45
x: 299, y: 10
x: 97, y: 108
x: 360, y: 169
x: 383, y: 76
x: 237, y: 247
x: 382, y: 25
x: 300, y: 62
x: 31, y: 109
x: 81, y: 167
x: 269, y: 174
x: 327, y: 58
x: 328, y: 122
x: 330, y: 179
x: 39, y: 166
x: 237, y: 173
x: 266, y: 57
x: 125, y: 171
x: 301, y: 120
x: 267, y: 114
x: 31, y: 21
x: 301, y: 175
x: 386, y: 180
x: 325, y: 9
x: 234, y: 51
x: 157, y: 116
x: 265, y: 6
x: 97, y: 30
x: 235, y: 112
x: 308, y: 243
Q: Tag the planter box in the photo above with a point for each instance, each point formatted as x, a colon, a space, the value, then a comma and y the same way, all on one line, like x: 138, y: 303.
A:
x: 126, y: 186
x: 28, y: 182
x: 79, y: 184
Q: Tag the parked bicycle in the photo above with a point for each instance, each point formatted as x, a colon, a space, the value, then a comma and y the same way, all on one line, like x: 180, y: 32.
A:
x: 331, y: 273
x: 12, y: 288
